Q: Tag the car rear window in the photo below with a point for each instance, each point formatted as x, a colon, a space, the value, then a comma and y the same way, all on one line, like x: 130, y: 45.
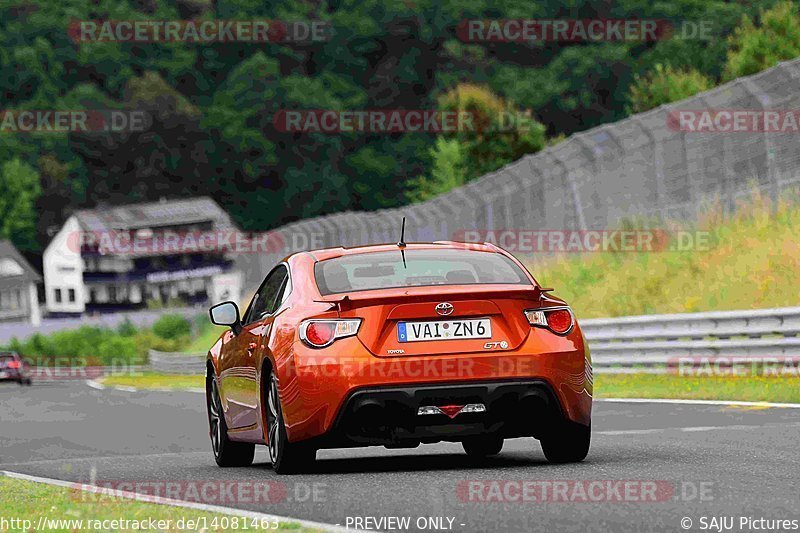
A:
x: 5, y: 359
x: 385, y: 270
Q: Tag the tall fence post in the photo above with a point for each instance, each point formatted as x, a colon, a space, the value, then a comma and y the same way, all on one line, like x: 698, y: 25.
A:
x: 576, y: 199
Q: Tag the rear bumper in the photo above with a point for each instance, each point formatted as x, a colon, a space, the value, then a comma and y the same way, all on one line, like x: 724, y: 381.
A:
x: 389, y: 415
x: 334, y: 399
x: 11, y: 375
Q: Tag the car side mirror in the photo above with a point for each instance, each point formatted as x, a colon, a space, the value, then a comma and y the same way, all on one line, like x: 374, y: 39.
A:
x: 226, y: 314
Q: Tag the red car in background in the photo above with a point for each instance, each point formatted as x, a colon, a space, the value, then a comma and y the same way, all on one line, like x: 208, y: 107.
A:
x: 14, y: 368
x: 397, y: 345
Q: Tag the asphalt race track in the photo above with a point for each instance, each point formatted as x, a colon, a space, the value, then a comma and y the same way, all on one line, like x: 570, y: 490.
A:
x: 706, y: 461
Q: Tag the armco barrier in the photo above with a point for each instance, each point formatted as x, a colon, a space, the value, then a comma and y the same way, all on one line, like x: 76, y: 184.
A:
x: 643, y: 343
x: 652, y: 341
x: 177, y: 362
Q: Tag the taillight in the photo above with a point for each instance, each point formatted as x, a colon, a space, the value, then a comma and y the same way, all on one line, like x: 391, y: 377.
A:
x: 14, y: 364
x: 322, y: 332
x: 559, y: 320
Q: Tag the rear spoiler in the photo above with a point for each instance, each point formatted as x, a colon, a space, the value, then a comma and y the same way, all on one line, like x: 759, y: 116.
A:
x: 417, y: 294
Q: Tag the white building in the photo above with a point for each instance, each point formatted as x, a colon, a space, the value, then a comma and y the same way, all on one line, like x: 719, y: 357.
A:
x: 111, y: 259
x: 18, y: 298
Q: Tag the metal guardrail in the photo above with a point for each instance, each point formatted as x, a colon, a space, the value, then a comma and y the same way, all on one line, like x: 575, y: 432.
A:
x: 648, y: 343
x: 178, y: 362
x: 653, y: 341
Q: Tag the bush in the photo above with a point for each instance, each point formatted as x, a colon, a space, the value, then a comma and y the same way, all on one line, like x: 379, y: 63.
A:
x: 664, y: 85
x: 172, y: 327
x: 88, y: 345
x: 91, y: 345
x: 127, y: 328
x: 755, y: 48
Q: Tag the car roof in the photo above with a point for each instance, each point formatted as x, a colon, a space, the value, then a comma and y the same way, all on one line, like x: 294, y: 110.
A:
x: 331, y: 253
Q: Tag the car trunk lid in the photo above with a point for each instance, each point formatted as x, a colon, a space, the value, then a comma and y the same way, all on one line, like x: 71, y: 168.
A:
x: 383, y: 312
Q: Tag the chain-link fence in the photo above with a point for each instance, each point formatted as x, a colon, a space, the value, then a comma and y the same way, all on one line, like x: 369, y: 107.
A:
x: 642, y: 166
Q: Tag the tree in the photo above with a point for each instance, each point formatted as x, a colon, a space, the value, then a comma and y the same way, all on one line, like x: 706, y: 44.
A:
x: 500, y: 132
x: 754, y: 48
x: 663, y: 85
x: 19, y: 189
x: 447, y: 171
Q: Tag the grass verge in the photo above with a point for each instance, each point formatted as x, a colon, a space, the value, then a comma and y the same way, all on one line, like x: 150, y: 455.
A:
x: 27, y: 500
x: 205, y: 339
x: 153, y: 380
x: 750, y: 261
x: 779, y: 389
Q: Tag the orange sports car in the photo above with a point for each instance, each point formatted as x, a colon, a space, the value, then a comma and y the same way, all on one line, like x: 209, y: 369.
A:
x: 397, y: 345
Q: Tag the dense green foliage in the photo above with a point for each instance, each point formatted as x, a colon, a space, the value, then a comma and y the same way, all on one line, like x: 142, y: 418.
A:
x: 213, y: 105
x: 172, y: 326
x: 664, y: 85
x: 756, y: 47
x: 92, y: 345
x: 19, y: 189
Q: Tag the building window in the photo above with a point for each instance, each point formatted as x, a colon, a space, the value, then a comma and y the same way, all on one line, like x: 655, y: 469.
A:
x: 71, y: 295
x: 112, y: 294
x: 58, y: 296
x: 10, y: 300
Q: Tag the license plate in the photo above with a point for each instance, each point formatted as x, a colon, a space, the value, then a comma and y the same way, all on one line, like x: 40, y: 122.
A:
x: 3, y: 375
x: 444, y: 330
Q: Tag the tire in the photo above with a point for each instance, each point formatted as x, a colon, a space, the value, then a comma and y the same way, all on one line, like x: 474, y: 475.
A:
x: 483, y: 445
x: 28, y: 382
x: 570, y: 444
x: 226, y: 452
x: 286, y: 457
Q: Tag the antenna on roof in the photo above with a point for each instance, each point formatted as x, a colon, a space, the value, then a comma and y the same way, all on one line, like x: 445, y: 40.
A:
x: 401, y: 243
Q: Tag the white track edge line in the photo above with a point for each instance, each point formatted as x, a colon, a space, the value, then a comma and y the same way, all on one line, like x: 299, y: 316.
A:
x: 158, y: 500
x: 699, y: 402
x: 95, y: 384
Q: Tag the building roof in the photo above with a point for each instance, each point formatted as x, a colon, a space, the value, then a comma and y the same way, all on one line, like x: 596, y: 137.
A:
x: 154, y: 215
x: 14, y: 269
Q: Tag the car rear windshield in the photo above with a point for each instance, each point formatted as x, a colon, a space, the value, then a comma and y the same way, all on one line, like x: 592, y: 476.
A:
x: 385, y: 270
x: 6, y: 358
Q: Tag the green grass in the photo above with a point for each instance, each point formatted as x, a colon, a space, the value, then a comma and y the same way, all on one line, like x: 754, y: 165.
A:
x: 753, y: 261
x: 205, y: 339
x: 744, y: 388
x: 153, y: 380
x: 28, y: 500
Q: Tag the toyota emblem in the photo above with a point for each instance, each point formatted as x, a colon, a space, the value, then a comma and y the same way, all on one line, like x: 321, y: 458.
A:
x: 444, y: 308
